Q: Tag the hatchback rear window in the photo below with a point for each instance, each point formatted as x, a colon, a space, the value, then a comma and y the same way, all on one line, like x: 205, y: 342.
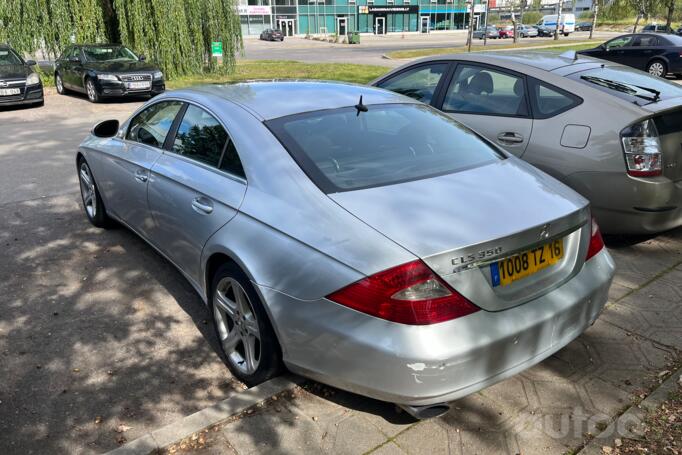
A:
x: 629, y: 83
x: 345, y: 149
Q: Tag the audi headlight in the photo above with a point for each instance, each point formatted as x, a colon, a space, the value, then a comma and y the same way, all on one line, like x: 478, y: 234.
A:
x: 158, y: 75
x: 107, y: 77
x: 33, y: 79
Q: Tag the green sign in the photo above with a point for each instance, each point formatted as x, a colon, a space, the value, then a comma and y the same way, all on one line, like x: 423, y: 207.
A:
x: 217, y: 49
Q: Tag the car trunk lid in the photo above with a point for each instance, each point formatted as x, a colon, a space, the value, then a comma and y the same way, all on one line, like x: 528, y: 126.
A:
x: 461, y: 223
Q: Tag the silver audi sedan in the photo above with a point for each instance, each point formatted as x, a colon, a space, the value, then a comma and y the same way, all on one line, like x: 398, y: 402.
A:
x: 610, y: 132
x: 352, y: 235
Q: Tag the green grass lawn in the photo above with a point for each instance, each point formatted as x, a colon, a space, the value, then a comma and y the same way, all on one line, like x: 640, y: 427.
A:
x: 544, y: 46
x: 284, y: 69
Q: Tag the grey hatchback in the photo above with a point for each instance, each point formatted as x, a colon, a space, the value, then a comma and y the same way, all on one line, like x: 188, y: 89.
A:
x: 610, y: 132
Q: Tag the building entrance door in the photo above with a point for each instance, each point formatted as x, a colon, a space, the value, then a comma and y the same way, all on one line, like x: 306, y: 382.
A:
x: 380, y: 26
x: 341, y: 28
x: 425, y: 24
x: 287, y: 26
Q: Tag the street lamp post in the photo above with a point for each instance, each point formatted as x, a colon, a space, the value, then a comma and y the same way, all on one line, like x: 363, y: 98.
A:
x: 485, y: 23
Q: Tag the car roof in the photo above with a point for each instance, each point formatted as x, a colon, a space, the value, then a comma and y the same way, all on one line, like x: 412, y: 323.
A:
x: 273, y: 99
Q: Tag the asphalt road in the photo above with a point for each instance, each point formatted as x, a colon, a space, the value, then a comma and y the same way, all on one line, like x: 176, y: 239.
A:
x: 96, y: 329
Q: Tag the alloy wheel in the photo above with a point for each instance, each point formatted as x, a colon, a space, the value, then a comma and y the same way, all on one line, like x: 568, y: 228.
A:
x: 237, y: 325
x: 87, y: 184
x: 656, y: 69
x: 90, y: 87
x: 59, y: 83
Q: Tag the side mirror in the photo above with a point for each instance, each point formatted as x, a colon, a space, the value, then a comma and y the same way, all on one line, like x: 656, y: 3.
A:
x: 31, y: 63
x: 142, y: 58
x: 105, y: 129
x: 74, y: 59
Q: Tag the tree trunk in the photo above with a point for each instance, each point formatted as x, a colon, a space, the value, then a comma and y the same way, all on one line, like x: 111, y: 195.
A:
x: 636, y: 23
x: 110, y: 21
x: 671, y: 11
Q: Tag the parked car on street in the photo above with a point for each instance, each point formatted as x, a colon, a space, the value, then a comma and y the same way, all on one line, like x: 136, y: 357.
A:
x: 608, y: 131
x: 527, y: 31
x: 548, y: 24
x: 270, y: 34
x: 491, y: 31
x: 583, y: 26
x: 544, y: 31
x: 657, y: 54
x: 106, y: 71
x: 506, y: 32
x: 355, y: 236
x: 657, y: 28
x: 19, y: 83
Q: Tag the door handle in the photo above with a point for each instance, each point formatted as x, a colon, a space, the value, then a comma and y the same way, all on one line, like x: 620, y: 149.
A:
x: 141, y: 176
x: 510, y: 138
x: 202, y: 205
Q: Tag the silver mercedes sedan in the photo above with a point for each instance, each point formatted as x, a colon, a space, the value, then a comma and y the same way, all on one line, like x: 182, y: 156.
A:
x: 352, y: 235
x: 608, y: 131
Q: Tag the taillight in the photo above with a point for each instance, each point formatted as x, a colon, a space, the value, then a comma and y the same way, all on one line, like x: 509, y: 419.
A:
x: 596, y: 241
x: 642, y: 149
x: 409, y: 294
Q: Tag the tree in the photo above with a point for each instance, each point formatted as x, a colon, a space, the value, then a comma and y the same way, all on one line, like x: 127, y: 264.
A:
x: 175, y: 33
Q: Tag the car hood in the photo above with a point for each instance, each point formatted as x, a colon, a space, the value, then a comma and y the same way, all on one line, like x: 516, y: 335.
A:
x: 435, y: 215
x: 14, y: 71
x: 121, y: 67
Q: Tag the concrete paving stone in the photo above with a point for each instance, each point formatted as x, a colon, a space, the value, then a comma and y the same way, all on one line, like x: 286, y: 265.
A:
x: 639, y: 263
x: 557, y: 394
x: 509, y: 395
x: 617, y: 291
x: 274, y: 433
x: 629, y: 380
x: 390, y: 448
x: 553, y: 433
x: 354, y: 436
x: 427, y: 437
x: 484, y: 443
x: 626, y: 318
x: 474, y: 412
x: 661, y: 294
x: 605, y: 397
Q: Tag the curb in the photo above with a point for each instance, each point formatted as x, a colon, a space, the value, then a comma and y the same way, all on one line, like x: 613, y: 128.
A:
x: 627, y: 424
x: 180, y: 429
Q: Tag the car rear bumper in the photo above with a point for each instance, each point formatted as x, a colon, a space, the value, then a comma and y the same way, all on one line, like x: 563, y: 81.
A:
x: 630, y: 205
x: 31, y: 95
x: 421, y: 365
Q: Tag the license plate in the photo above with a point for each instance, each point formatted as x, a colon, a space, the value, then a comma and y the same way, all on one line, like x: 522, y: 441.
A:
x: 522, y: 265
x: 138, y: 85
x: 9, y: 91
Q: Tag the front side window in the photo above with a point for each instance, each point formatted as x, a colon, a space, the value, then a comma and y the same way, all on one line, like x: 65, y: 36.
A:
x: 9, y: 57
x: 419, y: 83
x: 108, y: 54
x: 390, y: 143
x: 621, y: 41
x: 480, y: 90
x: 151, y: 126
x: 201, y: 137
x: 549, y: 101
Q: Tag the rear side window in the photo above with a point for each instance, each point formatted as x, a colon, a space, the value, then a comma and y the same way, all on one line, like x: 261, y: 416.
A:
x: 549, y: 101
x: 481, y: 90
x: 390, y: 143
x: 645, y: 41
x: 201, y: 137
x: 151, y: 126
x: 419, y: 83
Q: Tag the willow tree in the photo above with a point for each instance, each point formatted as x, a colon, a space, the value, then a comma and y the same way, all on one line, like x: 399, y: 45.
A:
x: 177, y: 34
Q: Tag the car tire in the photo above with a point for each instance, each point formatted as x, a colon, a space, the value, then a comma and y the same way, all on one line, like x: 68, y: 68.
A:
x: 59, y: 84
x: 92, y: 201
x: 243, y: 327
x: 91, y: 91
x: 657, y: 68
x: 565, y: 34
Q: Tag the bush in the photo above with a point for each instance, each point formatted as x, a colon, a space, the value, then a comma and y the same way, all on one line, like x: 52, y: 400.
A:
x: 532, y: 17
x: 586, y: 15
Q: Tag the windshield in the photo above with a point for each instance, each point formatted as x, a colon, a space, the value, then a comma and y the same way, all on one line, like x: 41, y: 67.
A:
x: 109, y: 54
x: 629, y: 83
x: 8, y: 57
x: 347, y: 149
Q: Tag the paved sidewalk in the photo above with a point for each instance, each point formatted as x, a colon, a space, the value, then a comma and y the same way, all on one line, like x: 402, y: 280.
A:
x: 553, y: 408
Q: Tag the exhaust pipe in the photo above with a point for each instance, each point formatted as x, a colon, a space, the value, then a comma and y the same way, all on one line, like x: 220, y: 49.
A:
x: 426, y: 412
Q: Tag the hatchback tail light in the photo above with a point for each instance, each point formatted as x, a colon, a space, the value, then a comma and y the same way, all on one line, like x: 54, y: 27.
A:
x: 409, y: 294
x: 642, y: 149
x: 596, y: 240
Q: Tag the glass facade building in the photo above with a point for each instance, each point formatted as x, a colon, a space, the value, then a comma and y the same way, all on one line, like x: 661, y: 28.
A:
x: 312, y: 17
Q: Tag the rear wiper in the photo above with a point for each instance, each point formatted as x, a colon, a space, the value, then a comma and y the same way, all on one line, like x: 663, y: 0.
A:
x: 623, y: 87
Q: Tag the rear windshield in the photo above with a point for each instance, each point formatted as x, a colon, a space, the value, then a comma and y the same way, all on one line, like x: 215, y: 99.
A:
x: 628, y: 83
x: 344, y: 149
